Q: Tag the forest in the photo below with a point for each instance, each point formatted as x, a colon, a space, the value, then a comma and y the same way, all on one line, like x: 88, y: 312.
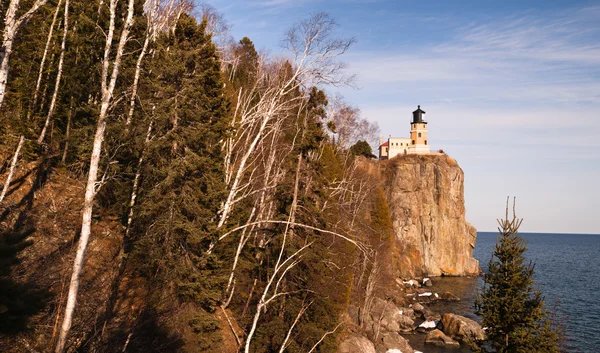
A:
x: 169, y: 188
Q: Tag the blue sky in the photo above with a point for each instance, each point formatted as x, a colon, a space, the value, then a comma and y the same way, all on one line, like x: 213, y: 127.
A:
x: 511, y: 90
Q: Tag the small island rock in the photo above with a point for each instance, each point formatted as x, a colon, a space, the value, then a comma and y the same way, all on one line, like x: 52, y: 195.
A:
x: 438, y: 338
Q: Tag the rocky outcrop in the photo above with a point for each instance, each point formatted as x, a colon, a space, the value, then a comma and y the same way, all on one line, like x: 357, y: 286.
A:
x: 426, y: 200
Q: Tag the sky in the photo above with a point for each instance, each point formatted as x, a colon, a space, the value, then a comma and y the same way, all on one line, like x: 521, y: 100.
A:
x: 511, y: 90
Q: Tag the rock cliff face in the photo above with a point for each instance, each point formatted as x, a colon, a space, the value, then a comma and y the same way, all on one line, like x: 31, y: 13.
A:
x: 426, y: 200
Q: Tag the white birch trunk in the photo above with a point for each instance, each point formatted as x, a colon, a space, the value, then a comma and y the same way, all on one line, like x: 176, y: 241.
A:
x: 136, y: 182
x: 12, y: 168
x: 136, y: 79
x: 63, y: 46
x: 43, y: 62
x: 240, y: 172
x: 90, y: 190
x: 11, y: 28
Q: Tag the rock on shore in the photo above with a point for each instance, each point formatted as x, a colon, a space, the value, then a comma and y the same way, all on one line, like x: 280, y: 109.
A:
x: 463, y: 329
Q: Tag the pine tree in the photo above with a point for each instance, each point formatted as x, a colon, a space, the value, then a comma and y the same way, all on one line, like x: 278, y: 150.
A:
x: 512, y: 309
x: 362, y: 148
x: 183, y: 177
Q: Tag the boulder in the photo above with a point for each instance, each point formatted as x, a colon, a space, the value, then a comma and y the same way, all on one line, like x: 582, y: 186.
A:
x: 438, y: 338
x: 418, y: 308
x: 427, y: 282
x: 388, y: 317
x: 410, y: 312
x: 393, y: 341
x: 429, y: 315
x: 356, y: 344
x: 450, y: 297
x: 405, y: 324
x: 462, y: 329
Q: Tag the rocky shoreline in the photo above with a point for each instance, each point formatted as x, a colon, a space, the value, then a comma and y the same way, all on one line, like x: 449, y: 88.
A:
x: 390, y: 325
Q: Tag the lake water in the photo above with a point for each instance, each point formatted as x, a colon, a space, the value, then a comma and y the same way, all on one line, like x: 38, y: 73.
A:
x: 568, y: 272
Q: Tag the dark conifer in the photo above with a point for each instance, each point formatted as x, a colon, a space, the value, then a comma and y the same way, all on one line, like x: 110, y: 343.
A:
x: 512, y: 309
x: 183, y: 181
x: 362, y: 148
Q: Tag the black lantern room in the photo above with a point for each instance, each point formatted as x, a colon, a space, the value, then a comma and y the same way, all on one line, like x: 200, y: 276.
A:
x: 418, y: 116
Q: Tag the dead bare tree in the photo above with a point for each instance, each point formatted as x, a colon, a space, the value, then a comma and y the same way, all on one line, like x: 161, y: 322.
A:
x: 314, y: 61
x: 12, y: 24
x: 348, y: 125
x: 107, y: 87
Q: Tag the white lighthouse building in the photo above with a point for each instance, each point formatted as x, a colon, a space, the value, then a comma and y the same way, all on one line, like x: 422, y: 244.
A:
x: 416, y: 144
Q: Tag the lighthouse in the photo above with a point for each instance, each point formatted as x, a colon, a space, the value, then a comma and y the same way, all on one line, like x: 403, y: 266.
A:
x: 418, y: 133
x: 415, y: 144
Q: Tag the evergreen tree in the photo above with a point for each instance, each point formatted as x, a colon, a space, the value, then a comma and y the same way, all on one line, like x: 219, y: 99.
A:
x: 183, y: 178
x: 512, y: 310
x: 362, y: 148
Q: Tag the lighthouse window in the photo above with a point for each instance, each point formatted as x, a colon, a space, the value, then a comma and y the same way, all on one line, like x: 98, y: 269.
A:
x: 413, y: 142
x: 419, y: 134
x: 425, y: 141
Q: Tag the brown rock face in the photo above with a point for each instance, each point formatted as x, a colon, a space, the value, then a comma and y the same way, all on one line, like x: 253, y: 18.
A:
x: 426, y: 200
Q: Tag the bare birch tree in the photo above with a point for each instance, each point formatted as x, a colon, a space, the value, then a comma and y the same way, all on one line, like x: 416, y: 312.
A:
x: 314, y: 53
x: 12, y: 24
x: 11, y: 171
x: 107, y: 88
x: 43, y: 62
x: 58, y: 74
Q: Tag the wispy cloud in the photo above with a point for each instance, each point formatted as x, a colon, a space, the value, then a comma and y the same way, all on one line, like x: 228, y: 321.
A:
x: 516, y: 58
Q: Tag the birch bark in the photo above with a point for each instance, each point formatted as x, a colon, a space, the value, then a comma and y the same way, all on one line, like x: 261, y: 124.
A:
x: 63, y: 46
x: 12, y: 168
x: 108, y: 87
x: 11, y: 28
x: 43, y: 62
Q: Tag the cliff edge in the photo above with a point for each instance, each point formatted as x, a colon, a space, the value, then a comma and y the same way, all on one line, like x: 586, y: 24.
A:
x: 425, y: 194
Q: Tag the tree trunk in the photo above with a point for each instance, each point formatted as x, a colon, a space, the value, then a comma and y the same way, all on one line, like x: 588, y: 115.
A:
x: 43, y: 62
x: 68, y: 132
x: 58, y: 75
x: 136, y: 182
x: 136, y: 79
x: 11, y: 28
x: 12, y: 168
x: 90, y: 190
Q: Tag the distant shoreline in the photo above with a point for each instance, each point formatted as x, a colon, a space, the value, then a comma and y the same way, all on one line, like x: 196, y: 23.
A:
x: 538, y: 233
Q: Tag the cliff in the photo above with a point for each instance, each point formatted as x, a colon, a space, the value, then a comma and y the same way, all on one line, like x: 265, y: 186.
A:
x: 425, y: 194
